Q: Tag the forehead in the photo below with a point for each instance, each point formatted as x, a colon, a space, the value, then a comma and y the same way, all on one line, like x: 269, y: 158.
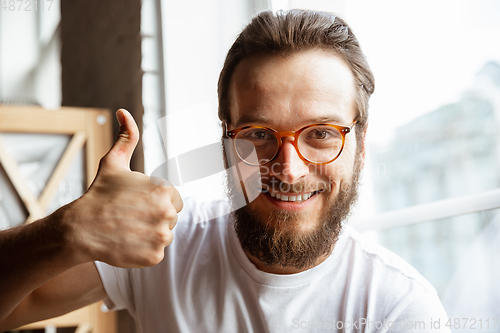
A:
x: 289, y: 91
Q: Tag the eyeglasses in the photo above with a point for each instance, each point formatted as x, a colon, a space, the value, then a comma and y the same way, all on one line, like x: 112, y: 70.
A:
x: 316, y: 143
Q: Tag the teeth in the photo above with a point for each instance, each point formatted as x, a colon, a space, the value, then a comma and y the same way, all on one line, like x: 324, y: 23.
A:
x: 292, y: 198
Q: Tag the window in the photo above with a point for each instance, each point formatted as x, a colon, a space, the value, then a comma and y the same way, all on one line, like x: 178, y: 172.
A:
x: 431, y: 186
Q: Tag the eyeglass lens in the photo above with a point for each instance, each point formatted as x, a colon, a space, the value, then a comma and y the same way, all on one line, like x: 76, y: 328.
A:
x: 318, y: 144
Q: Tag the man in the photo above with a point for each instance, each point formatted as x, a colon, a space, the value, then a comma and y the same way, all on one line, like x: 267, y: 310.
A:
x: 293, y: 97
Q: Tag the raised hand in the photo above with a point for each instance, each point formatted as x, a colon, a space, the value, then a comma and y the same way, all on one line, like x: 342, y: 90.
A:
x: 123, y: 219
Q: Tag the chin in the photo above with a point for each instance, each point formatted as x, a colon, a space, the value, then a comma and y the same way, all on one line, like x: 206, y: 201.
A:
x: 294, y: 235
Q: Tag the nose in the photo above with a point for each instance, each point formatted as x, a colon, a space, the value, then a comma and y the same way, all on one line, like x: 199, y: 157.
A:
x: 288, y: 166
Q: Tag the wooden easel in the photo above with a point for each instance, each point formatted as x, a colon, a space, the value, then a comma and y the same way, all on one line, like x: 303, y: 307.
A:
x: 90, y: 129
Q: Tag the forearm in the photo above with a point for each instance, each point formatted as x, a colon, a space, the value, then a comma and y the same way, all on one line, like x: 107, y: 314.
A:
x: 31, y: 255
x: 124, y: 220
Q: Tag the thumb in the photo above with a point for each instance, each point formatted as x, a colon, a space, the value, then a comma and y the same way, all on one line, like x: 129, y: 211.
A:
x: 120, y: 154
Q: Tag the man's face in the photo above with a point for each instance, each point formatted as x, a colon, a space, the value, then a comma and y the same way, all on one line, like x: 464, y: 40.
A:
x: 287, y: 93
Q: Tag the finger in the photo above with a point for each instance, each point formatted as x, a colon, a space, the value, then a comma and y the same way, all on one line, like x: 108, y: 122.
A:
x: 177, y: 201
x: 159, y: 181
x: 172, y: 222
x: 169, y: 235
x: 175, y: 198
x: 120, y: 154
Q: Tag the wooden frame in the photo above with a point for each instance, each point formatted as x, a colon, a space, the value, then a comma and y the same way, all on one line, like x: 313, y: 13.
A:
x: 90, y: 129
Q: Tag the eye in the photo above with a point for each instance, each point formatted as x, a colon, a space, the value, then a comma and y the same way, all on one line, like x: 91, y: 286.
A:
x: 261, y: 135
x: 258, y: 136
x: 320, y: 135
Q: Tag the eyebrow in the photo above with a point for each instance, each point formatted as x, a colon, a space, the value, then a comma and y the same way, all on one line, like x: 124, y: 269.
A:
x: 262, y: 119
x: 335, y: 119
x: 252, y: 118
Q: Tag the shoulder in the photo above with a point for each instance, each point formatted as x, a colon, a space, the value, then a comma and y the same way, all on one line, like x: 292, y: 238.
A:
x: 386, y: 283
x: 382, y: 265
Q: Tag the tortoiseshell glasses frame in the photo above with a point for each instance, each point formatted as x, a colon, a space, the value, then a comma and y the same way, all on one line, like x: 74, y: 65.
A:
x: 279, y: 136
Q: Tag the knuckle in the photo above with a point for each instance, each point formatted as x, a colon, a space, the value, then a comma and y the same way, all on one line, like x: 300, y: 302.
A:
x: 169, y: 196
x: 161, y: 237
x: 170, y: 238
x: 181, y: 204
x: 171, y: 214
x: 104, y: 159
x: 104, y: 163
x: 168, y: 213
x: 177, y: 201
x: 153, y: 258
x: 162, y: 191
x: 158, y: 257
x: 173, y: 222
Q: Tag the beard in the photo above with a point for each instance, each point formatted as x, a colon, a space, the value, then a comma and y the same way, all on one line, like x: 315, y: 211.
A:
x: 269, y: 238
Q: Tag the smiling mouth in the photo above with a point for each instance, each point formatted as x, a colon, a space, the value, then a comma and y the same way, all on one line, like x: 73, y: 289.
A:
x: 290, y: 197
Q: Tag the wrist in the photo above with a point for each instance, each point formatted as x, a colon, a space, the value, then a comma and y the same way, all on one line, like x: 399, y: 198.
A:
x: 63, y: 226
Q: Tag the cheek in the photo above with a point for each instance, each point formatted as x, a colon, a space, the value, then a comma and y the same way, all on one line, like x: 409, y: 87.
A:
x: 345, y: 163
x: 247, y: 176
x: 239, y: 170
x: 341, y: 168
x: 339, y: 172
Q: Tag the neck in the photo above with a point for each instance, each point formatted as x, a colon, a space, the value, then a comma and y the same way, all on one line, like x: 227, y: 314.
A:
x: 276, y: 269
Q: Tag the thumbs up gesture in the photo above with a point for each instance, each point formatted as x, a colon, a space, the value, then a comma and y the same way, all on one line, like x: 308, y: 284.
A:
x: 123, y: 219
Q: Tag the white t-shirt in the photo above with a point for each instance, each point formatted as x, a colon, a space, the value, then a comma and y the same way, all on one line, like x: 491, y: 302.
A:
x: 207, y: 284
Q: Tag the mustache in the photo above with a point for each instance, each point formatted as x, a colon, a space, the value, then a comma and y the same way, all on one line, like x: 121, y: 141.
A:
x: 276, y: 185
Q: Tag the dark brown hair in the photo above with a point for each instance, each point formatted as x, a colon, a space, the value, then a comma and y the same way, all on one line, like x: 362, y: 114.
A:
x: 295, y: 30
